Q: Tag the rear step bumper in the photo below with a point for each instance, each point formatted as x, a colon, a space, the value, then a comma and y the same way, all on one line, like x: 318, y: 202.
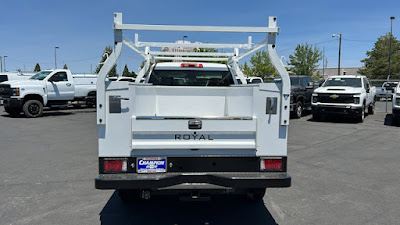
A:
x: 165, y: 180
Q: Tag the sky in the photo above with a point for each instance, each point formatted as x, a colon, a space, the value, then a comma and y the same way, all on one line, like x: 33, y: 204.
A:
x: 30, y: 30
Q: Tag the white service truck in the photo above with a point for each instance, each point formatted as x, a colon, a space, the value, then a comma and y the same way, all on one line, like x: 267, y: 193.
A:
x: 396, y: 104
x: 7, y: 76
x: 191, y: 128
x: 47, y: 88
x: 350, y: 95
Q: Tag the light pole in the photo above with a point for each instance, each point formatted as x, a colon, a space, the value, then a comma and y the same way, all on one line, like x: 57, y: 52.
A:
x: 55, y: 57
x: 5, y: 63
x: 1, y: 64
x: 390, y: 55
x: 340, y: 47
x: 183, y: 39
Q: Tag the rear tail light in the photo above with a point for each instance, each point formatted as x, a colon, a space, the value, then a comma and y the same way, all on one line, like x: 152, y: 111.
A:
x: 196, y: 65
x: 119, y: 165
x: 271, y: 164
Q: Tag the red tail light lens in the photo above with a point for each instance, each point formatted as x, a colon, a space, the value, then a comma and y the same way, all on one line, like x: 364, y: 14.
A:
x: 271, y: 164
x: 115, y: 165
x: 197, y: 65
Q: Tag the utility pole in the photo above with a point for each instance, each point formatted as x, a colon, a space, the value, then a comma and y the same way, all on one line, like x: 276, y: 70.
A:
x: 55, y: 57
x: 323, y: 63
x: 5, y: 63
x: 340, y: 47
x: 390, y: 55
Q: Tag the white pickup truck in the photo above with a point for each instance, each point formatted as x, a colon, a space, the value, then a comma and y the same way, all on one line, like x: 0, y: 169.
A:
x: 396, y: 104
x: 191, y: 128
x: 350, y: 95
x: 47, y: 88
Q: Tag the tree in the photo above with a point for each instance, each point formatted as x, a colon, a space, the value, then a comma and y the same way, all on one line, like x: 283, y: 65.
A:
x: 261, y: 66
x: 65, y: 67
x: 377, y: 61
x: 107, y: 52
x: 37, y: 68
x: 305, y: 59
x: 126, y: 73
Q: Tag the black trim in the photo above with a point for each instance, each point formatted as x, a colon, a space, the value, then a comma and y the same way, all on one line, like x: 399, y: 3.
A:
x: 354, y: 111
x: 225, y: 171
x: 12, y: 103
x: 157, y: 181
x: 203, y: 164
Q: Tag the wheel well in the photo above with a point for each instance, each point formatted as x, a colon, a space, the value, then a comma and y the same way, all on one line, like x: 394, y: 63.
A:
x: 33, y: 97
x: 300, y: 99
x: 92, y: 93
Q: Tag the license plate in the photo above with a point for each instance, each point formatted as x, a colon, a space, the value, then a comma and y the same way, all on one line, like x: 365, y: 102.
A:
x: 151, y: 165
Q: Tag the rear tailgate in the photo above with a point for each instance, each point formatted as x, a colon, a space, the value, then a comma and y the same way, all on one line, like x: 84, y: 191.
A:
x: 156, y: 120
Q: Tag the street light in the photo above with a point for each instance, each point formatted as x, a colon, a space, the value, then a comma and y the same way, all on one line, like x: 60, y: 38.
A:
x: 340, y: 47
x: 5, y: 63
x: 183, y: 39
x: 55, y: 57
x: 390, y: 55
x: 390, y: 43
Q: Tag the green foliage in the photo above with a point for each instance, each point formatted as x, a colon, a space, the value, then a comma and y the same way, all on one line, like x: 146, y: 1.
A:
x: 261, y: 66
x: 107, y: 51
x: 305, y: 59
x: 65, y: 67
x: 377, y: 61
x: 209, y: 50
x: 37, y: 68
x: 126, y: 72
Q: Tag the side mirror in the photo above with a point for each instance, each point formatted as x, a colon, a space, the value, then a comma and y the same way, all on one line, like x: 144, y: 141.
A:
x: 310, y: 85
x: 388, y: 87
x: 368, y: 89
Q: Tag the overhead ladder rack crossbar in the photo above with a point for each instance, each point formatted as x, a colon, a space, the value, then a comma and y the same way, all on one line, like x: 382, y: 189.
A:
x: 231, y: 58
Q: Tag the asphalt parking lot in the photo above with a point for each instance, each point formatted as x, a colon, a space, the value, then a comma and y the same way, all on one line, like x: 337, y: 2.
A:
x: 342, y: 173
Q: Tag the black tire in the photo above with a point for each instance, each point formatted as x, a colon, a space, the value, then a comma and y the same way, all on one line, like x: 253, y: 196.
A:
x: 371, y: 108
x: 32, y: 108
x: 361, y: 115
x: 298, y: 110
x: 316, y: 116
x: 256, y: 194
x: 91, y: 100
x: 128, y: 196
x: 14, y: 112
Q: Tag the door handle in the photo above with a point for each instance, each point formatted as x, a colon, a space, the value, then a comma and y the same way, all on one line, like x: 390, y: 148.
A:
x: 68, y: 84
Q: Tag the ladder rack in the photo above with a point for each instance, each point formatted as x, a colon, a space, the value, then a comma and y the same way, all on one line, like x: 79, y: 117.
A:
x: 232, y: 58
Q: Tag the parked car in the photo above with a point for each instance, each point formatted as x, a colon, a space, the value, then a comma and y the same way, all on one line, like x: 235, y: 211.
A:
x: 349, y: 95
x: 8, y: 76
x: 302, y: 88
x: 191, y: 129
x: 386, y: 91
x: 252, y: 80
x: 47, y: 88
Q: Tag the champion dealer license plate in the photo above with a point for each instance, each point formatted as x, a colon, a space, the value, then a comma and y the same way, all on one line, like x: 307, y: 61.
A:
x: 152, y: 165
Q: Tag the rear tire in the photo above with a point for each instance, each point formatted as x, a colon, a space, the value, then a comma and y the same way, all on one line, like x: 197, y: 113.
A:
x: 371, y: 108
x: 256, y: 194
x: 316, y: 116
x: 298, y: 110
x: 361, y: 116
x: 33, y: 108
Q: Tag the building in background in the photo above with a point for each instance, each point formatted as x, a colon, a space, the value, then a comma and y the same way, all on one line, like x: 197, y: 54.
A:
x: 334, y: 71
